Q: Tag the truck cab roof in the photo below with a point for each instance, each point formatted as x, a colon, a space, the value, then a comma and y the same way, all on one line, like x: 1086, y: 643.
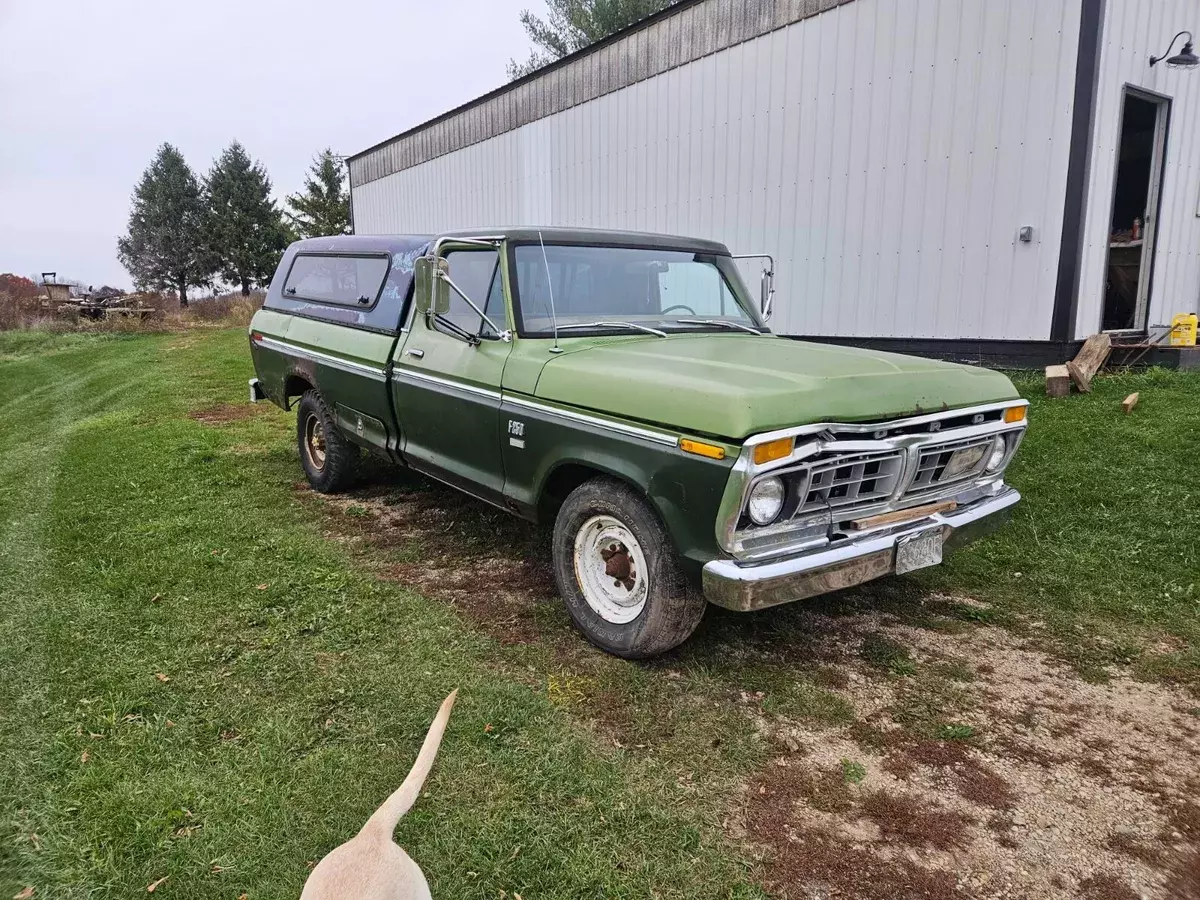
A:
x: 392, y: 243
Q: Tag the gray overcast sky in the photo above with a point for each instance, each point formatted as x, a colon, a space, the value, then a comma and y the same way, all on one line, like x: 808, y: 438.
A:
x: 90, y: 88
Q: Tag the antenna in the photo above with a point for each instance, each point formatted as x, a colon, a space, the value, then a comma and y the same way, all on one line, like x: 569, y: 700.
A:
x: 550, y: 288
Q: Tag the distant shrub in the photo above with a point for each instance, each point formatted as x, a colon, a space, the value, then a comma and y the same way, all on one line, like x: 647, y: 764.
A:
x: 9, y: 313
x: 17, y: 311
x: 223, y: 310
x: 155, y: 300
x: 228, y: 309
x: 17, y: 286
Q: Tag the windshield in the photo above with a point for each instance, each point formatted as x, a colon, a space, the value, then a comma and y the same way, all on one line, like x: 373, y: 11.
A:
x: 605, y: 290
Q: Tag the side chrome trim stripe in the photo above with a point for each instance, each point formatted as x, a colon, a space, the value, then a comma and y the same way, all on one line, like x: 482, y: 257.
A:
x: 406, y: 373
x: 656, y: 437
x: 569, y: 415
x: 325, y: 359
x: 411, y: 374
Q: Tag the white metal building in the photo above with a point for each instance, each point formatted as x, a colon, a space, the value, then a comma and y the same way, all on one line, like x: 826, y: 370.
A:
x: 888, y: 153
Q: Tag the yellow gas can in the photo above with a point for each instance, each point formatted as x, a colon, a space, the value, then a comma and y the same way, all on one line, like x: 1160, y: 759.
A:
x: 1183, y: 330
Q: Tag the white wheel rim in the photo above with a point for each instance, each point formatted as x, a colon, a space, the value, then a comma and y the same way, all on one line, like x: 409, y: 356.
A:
x: 611, y: 570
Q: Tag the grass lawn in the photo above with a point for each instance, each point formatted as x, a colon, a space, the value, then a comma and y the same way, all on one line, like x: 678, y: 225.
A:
x: 205, y: 680
x: 1106, y: 548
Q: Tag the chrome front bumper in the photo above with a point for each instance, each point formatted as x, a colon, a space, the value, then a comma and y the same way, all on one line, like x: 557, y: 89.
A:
x: 749, y: 586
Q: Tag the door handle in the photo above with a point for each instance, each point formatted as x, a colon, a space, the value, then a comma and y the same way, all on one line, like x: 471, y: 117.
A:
x: 413, y: 351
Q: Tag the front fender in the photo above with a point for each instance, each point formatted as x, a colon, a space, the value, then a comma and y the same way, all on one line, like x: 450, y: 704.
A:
x: 685, y: 490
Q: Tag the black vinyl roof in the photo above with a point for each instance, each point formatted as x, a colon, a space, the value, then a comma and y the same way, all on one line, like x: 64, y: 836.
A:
x: 384, y: 243
x: 596, y: 236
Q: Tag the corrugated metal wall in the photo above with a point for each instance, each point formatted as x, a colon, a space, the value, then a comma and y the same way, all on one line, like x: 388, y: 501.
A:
x: 885, y: 151
x: 1134, y: 31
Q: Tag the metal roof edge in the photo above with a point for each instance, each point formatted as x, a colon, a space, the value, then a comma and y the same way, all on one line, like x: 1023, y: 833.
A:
x: 734, y: 21
x: 541, y: 72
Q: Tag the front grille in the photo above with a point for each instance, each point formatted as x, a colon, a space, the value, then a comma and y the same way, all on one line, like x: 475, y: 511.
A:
x: 883, y: 430
x: 932, y: 462
x: 849, y: 472
x: 843, y: 479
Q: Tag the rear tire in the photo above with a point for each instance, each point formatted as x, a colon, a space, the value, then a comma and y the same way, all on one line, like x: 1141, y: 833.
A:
x: 619, y: 574
x: 330, y: 461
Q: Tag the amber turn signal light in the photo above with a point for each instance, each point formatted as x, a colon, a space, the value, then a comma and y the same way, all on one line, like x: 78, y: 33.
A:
x: 772, y: 450
x: 1014, y: 414
x: 712, y: 451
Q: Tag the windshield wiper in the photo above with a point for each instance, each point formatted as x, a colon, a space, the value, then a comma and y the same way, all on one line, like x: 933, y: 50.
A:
x: 722, y: 322
x: 632, y: 325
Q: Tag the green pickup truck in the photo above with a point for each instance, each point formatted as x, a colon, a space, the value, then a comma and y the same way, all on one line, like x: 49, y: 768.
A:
x: 625, y: 387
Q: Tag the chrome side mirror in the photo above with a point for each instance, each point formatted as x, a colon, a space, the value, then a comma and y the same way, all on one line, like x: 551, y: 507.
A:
x: 767, y: 293
x: 766, y: 289
x: 431, y: 290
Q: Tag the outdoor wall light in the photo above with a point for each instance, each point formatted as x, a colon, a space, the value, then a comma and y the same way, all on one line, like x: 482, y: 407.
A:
x: 1186, y: 59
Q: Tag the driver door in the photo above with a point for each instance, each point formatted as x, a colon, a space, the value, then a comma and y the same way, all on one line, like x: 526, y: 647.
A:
x: 446, y: 387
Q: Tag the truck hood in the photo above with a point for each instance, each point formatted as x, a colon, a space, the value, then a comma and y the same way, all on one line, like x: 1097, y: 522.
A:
x: 733, y: 386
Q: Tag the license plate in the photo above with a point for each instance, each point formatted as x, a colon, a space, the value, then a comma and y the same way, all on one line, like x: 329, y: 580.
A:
x: 919, y: 551
x: 963, y: 460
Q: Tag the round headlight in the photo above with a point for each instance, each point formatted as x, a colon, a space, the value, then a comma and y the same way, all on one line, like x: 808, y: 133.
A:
x: 766, y: 501
x: 999, y: 451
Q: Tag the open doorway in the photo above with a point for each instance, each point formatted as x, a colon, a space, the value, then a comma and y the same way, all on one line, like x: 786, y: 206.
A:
x: 1133, y: 226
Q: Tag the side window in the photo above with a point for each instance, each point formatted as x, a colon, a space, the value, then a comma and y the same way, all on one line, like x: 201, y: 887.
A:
x: 695, y: 287
x: 344, y: 280
x: 475, y: 273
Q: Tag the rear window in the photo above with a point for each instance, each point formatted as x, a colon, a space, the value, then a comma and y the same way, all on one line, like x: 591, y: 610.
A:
x: 345, y: 280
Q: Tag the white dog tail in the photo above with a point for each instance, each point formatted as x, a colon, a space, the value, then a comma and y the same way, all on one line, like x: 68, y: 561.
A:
x: 385, y: 819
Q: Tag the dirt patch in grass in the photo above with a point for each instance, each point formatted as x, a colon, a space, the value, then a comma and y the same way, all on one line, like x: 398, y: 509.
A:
x: 1183, y: 883
x: 979, y: 784
x: 953, y: 762
x: 491, y: 595
x: 1022, y: 781
x: 1184, y: 816
x: 805, y: 860
x: 1129, y: 844
x: 812, y: 864
x: 225, y: 413
x: 491, y: 567
x: 1106, y: 887
x: 822, y: 789
x: 905, y: 819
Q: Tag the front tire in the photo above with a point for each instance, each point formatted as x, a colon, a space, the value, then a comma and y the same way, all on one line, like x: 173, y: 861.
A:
x: 618, y: 572
x: 330, y: 461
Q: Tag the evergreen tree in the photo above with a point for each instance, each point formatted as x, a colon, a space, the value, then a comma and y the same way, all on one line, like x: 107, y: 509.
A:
x: 324, y: 206
x: 575, y: 24
x: 244, y: 228
x: 164, y: 247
